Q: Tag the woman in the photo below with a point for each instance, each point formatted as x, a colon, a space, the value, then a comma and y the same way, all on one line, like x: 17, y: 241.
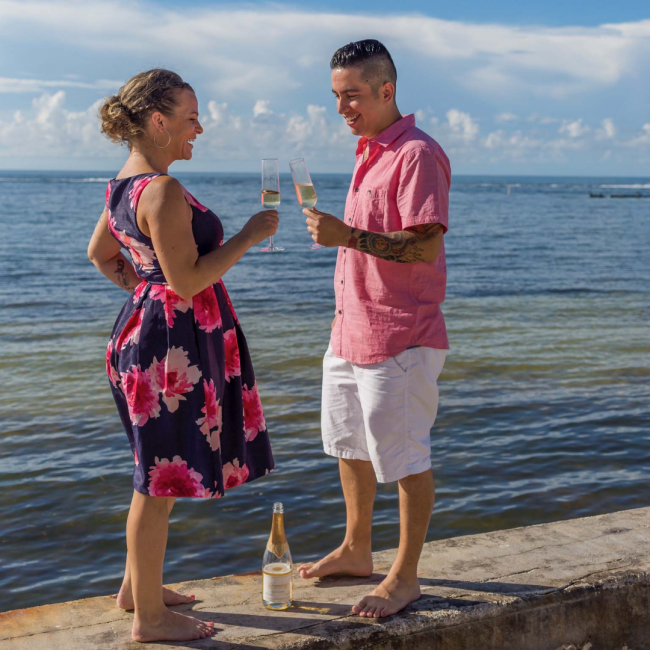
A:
x: 177, y: 359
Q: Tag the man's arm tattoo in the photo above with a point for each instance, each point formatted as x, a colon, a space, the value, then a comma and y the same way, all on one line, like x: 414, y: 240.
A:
x: 405, y: 246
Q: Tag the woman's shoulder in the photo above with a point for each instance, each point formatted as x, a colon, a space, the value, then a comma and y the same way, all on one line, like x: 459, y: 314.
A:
x: 159, y: 189
x: 163, y: 198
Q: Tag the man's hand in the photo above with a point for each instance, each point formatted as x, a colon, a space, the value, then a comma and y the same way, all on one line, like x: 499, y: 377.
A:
x: 326, y: 229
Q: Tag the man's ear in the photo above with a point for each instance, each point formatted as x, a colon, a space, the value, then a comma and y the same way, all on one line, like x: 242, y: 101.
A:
x: 388, y: 92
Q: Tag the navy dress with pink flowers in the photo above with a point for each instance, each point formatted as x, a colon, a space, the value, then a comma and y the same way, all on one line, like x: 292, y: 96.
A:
x: 180, y: 370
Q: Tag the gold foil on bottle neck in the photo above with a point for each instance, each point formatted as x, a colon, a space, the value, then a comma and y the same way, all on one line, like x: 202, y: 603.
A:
x: 277, y: 543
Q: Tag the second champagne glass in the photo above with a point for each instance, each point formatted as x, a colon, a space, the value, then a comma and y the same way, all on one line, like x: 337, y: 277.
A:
x: 304, y: 187
x: 270, y: 194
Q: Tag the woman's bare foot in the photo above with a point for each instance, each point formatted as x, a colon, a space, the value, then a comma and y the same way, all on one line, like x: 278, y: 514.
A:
x: 343, y: 561
x: 125, y: 598
x: 391, y: 596
x: 170, y: 626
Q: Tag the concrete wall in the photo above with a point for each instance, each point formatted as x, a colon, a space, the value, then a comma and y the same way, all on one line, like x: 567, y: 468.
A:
x: 582, y: 584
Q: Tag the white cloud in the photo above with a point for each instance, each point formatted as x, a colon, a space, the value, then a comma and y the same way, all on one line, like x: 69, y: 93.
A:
x: 312, y: 128
x: 262, y: 108
x: 574, y: 129
x: 51, y: 129
x: 643, y: 139
x: 462, y: 124
x: 541, y: 119
x: 235, y: 54
x: 512, y: 146
x: 11, y: 85
x: 494, y: 140
x: 217, y: 111
x: 252, y: 49
x: 607, y: 129
x: 223, y: 119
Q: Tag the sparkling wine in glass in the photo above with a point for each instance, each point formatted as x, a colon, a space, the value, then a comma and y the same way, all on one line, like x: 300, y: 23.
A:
x: 304, y: 187
x: 270, y: 194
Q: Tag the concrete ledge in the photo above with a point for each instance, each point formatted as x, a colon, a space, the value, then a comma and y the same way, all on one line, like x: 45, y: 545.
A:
x: 582, y: 584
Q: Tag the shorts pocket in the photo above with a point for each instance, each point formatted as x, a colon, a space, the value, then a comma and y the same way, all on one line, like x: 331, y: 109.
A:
x: 402, y: 360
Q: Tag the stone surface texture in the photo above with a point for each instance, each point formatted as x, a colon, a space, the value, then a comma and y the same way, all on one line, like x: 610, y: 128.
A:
x: 582, y: 584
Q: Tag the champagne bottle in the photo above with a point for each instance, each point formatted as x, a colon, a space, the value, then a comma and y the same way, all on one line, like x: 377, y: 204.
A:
x: 277, y: 581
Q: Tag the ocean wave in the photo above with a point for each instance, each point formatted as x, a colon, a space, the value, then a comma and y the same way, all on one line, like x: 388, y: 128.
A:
x: 85, y: 180
x: 637, y: 186
x: 499, y: 185
x: 42, y: 179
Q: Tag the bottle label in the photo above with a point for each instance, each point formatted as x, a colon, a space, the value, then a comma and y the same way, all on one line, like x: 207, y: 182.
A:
x: 276, y: 583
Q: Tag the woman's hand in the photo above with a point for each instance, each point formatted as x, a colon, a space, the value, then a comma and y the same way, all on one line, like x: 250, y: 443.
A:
x: 260, y: 226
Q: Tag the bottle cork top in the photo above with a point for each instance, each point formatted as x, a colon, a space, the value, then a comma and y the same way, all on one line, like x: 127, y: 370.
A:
x: 278, y: 507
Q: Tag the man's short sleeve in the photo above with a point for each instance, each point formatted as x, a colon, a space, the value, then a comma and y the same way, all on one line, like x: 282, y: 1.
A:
x: 423, y: 192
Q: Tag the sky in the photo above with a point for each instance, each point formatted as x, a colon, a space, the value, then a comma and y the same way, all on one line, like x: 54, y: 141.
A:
x: 553, y: 88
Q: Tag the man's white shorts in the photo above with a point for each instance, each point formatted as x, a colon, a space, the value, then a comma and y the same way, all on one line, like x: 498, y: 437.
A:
x: 382, y: 412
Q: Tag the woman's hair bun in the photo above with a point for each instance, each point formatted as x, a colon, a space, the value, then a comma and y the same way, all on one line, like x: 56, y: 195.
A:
x: 123, y: 116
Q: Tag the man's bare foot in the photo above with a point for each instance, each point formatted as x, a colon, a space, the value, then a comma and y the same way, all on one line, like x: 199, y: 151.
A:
x: 391, y: 596
x: 343, y: 561
x: 170, y: 626
x: 125, y: 598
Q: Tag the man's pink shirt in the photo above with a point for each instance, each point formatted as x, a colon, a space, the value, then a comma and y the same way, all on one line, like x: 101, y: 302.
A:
x: 383, y: 307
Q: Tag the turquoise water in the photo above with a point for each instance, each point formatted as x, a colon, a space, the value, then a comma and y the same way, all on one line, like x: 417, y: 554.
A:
x: 544, y: 396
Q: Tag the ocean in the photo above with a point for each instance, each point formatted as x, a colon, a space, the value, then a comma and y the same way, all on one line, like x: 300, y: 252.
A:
x: 543, y: 399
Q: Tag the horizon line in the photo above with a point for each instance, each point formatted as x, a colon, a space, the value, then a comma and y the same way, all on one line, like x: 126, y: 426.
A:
x: 110, y: 173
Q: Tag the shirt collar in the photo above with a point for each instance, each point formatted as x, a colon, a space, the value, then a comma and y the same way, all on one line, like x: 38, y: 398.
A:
x: 389, y: 135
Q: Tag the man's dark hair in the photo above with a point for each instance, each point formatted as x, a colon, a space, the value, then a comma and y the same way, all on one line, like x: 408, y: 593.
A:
x: 372, y: 57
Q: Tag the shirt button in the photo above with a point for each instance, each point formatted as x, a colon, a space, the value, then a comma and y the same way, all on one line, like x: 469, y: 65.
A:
x: 341, y: 281
x: 340, y: 312
x: 356, y: 189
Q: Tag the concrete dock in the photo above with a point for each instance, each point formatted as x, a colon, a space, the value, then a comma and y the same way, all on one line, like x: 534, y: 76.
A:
x: 582, y: 584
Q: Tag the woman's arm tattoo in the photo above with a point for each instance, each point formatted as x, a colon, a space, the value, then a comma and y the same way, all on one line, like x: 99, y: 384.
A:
x: 123, y: 276
x: 405, y: 246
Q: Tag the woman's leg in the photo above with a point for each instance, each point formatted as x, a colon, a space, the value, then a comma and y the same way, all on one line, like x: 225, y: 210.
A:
x: 125, y: 595
x: 146, y: 538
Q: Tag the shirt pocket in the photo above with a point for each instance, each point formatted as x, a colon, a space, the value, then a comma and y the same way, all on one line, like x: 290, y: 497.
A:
x: 374, y: 209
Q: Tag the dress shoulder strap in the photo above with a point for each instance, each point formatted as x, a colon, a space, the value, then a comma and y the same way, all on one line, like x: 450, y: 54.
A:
x: 138, y: 187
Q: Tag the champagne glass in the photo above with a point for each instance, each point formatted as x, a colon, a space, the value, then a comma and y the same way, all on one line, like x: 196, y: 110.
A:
x: 304, y: 187
x: 270, y: 194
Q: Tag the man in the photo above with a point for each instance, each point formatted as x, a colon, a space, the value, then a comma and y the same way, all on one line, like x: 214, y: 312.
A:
x: 388, y: 342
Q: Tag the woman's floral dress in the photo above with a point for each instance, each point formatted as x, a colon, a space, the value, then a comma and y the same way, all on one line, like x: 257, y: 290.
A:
x: 180, y: 370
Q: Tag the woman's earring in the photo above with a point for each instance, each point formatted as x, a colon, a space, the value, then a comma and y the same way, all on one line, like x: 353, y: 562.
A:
x: 168, y: 141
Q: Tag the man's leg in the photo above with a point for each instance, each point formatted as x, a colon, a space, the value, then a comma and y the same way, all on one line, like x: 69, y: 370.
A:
x: 344, y: 437
x: 354, y: 556
x: 401, y: 586
x: 400, y: 402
